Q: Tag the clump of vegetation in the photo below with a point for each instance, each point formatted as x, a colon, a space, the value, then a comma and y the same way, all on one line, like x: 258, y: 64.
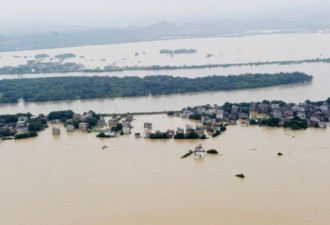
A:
x: 296, y: 123
x: 161, y: 135
x: 204, y: 137
x: 65, y: 56
x: 216, y: 133
x: 104, y: 147
x: 38, y: 124
x: 191, y: 135
x: 272, y: 122
x: 195, y: 116
x: 223, y: 127
x: 279, y: 154
x: 253, y: 122
x: 212, y: 151
x: 26, y: 135
x: 41, y: 56
x: 241, y: 175
x: 61, y: 115
x: 117, y: 127
x: 187, y: 154
x: 170, y: 113
x: 102, y: 135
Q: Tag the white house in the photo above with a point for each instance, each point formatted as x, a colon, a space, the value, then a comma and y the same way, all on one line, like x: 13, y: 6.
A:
x: 275, y: 106
x: 70, y: 127
x: 110, y: 134
x: 83, y: 126
x: 126, y: 130
x: 199, y: 152
x: 324, y: 107
x: 23, y: 118
x: 301, y: 116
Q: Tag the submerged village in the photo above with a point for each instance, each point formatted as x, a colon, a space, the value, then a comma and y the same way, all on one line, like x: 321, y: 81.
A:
x: 211, y: 120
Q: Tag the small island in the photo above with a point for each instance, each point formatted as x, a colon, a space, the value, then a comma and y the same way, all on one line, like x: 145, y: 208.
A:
x: 65, y: 56
x: 177, y: 51
x: 41, y: 56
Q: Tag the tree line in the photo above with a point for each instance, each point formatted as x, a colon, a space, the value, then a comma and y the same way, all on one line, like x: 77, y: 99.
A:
x: 71, y: 88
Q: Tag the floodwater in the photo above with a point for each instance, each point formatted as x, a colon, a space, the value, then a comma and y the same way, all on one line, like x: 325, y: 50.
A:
x: 317, y: 90
x: 69, y: 179
x: 271, y: 47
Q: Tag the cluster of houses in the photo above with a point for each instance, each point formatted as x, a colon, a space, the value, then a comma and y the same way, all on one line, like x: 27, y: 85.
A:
x: 147, y: 127
x: 198, y: 132
x: 33, y: 66
x: 7, y: 128
x: 81, y: 119
x: 316, y: 115
x: 16, y: 128
x: 213, y: 117
x: 125, y: 125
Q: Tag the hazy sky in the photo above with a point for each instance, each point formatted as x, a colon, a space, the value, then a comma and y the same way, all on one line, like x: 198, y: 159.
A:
x: 124, y: 12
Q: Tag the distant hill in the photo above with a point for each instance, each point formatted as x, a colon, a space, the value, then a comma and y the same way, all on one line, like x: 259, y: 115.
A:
x: 321, y: 19
x: 158, y: 31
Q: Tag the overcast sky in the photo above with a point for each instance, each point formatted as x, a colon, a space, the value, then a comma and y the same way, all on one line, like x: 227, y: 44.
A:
x: 124, y: 12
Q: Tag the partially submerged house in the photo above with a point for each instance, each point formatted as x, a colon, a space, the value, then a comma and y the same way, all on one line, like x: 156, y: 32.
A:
x: 147, y: 126
x: 199, y: 152
x: 70, y: 127
x: 56, y: 131
x: 126, y: 130
x: 83, y: 126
